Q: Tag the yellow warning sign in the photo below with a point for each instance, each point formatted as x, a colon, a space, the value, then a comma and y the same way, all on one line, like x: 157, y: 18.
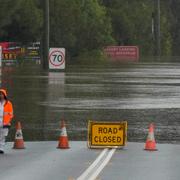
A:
x: 107, y: 134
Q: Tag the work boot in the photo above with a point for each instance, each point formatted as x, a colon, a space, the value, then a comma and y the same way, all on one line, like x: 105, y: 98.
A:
x: 1, y: 151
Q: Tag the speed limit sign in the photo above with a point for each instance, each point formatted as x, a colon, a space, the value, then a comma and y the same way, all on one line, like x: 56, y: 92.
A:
x: 57, y: 58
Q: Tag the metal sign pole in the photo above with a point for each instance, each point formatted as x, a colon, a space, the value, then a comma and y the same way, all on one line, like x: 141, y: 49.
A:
x: 46, y: 35
x: 0, y: 56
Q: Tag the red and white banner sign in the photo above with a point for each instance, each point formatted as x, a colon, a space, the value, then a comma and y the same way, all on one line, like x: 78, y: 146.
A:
x: 130, y: 53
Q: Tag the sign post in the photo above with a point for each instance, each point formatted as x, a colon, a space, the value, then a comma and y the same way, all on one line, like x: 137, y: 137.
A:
x: 107, y: 134
x: 0, y: 56
x: 57, y: 58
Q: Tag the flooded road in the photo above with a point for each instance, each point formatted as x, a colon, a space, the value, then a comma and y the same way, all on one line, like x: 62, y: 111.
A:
x: 139, y: 93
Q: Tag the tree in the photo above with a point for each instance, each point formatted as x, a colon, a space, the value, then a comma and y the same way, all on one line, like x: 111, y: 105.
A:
x: 78, y: 25
x: 26, y: 23
x: 132, y: 24
x: 94, y: 30
x: 88, y: 25
x: 173, y: 7
x: 7, y: 8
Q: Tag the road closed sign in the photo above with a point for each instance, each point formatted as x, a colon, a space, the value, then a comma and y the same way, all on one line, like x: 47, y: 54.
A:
x: 57, y: 58
x: 107, y: 134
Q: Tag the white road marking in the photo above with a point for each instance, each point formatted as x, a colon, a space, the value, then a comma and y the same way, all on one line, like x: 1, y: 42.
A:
x: 102, y: 165
x: 97, y: 166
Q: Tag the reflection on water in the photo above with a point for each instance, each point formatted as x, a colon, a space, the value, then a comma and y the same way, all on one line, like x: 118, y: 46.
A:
x: 140, y: 94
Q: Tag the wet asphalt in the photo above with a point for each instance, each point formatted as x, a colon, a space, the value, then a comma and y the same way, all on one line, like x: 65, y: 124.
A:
x: 43, y: 161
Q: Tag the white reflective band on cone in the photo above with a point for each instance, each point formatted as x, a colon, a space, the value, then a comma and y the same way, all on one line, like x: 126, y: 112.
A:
x: 151, y: 136
x: 18, y: 134
x: 63, y: 132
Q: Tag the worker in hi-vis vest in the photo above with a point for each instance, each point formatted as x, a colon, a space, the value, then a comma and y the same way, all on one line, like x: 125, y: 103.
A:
x: 6, y: 115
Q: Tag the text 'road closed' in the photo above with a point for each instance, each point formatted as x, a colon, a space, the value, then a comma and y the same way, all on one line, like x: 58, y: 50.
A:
x: 107, y: 133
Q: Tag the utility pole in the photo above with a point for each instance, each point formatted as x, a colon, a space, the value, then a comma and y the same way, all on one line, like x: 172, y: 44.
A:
x: 46, y: 35
x: 157, y: 29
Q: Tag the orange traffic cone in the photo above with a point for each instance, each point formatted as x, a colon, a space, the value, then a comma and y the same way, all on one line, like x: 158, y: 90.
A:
x: 19, y: 142
x: 63, y: 139
x: 150, y: 142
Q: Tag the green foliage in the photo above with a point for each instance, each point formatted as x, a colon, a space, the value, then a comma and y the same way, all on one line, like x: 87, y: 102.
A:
x: 7, y: 8
x: 79, y: 24
x: 174, y: 30
x: 92, y: 57
x: 95, y: 28
x: 64, y: 16
x: 26, y: 22
x: 132, y: 21
x: 166, y: 38
x: 84, y: 27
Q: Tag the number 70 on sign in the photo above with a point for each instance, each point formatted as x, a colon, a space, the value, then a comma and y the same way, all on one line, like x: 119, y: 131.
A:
x: 57, y: 58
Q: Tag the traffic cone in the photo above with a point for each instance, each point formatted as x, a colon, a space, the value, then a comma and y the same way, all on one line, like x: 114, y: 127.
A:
x: 150, y: 142
x: 19, y: 142
x: 63, y: 139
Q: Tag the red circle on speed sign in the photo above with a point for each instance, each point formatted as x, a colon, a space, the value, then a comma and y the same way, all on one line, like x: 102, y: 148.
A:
x: 56, y: 58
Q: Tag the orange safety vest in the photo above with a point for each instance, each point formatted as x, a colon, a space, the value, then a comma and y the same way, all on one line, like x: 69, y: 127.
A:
x: 8, y: 113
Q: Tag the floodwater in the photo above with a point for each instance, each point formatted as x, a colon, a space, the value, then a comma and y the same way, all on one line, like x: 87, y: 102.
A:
x: 138, y: 93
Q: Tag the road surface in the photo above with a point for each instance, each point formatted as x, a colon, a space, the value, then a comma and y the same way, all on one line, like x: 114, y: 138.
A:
x: 43, y: 161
